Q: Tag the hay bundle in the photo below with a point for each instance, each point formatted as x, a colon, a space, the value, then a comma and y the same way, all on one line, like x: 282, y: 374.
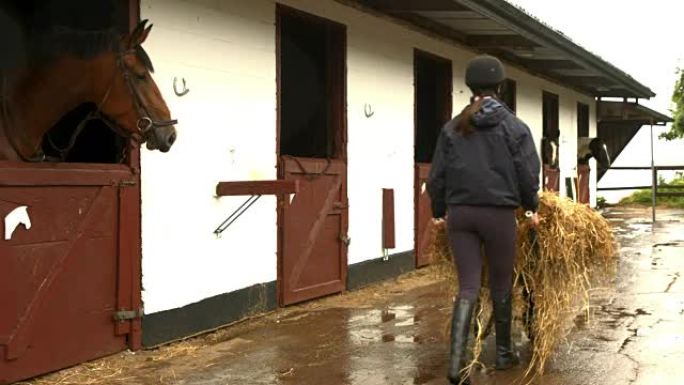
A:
x: 574, y: 249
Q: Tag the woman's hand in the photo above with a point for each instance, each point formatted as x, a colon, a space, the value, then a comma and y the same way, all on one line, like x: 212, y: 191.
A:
x: 533, y: 221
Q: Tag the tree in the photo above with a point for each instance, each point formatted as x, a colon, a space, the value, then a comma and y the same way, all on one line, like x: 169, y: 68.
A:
x: 677, y: 129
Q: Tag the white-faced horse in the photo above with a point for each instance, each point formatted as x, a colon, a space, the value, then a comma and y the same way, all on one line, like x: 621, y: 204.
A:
x: 549, y: 152
x: 596, y: 148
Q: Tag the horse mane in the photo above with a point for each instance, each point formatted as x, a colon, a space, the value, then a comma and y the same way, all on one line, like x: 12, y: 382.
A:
x: 34, y: 33
x: 84, y: 44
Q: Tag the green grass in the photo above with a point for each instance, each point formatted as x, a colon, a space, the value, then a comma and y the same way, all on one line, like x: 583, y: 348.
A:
x: 643, y: 197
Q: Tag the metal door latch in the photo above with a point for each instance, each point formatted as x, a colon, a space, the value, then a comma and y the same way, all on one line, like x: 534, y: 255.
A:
x: 345, y: 239
x: 127, y: 315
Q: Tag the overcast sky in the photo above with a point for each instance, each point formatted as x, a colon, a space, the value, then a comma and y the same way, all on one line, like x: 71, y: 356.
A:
x: 644, y: 39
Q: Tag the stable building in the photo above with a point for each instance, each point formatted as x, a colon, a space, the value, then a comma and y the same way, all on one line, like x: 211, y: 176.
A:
x: 306, y: 130
x: 342, y: 102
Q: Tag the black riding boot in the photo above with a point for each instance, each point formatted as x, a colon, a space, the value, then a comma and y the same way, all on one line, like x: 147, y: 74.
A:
x: 460, y: 326
x: 505, y: 356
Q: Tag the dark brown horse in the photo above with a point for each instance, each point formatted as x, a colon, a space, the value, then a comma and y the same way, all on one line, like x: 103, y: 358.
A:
x: 117, y: 81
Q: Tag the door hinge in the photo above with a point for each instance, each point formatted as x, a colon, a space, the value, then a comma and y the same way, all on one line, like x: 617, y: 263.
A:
x: 127, y: 183
x: 127, y: 315
x: 340, y: 206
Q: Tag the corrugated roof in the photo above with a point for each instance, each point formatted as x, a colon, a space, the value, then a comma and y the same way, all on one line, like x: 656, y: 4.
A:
x: 502, y: 29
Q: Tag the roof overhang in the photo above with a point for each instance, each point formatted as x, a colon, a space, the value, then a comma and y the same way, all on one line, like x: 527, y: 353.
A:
x: 501, y: 29
x: 627, y: 112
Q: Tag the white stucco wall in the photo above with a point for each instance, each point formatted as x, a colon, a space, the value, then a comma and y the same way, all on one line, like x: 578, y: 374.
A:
x: 226, y: 52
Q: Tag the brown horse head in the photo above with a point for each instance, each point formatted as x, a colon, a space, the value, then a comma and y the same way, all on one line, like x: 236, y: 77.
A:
x: 130, y: 98
x: 67, y: 68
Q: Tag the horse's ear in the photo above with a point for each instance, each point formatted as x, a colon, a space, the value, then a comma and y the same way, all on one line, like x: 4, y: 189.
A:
x: 138, y: 35
x: 144, y: 34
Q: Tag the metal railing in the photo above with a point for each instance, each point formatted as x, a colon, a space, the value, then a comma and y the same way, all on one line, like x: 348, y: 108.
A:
x: 656, y: 190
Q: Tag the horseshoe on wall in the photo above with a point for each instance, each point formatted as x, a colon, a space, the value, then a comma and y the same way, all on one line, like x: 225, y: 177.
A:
x: 368, y: 110
x: 184, y: 91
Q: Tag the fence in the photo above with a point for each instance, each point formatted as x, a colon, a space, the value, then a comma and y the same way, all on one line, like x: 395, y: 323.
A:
x: 672, y: 191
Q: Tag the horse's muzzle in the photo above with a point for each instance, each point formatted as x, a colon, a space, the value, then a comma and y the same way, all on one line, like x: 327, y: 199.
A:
x: 161, y: 138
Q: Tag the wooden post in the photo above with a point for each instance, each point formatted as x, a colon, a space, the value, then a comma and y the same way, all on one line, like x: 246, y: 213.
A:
x: 388, y: 235
x: 654, y: 181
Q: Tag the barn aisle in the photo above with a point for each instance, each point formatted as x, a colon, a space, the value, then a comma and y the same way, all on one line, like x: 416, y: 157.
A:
x: 392, y: 333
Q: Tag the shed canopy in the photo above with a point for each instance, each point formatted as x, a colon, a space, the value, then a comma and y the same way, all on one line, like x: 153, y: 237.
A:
x: 501, y: 29
x: 619, y: 122
x: 633, y: 113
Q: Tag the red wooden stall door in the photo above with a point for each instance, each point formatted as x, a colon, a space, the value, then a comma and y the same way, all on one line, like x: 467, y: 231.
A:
x: 60, y: 276
x: 551, y: 177
x: 583, y: 180
x: 314, y: 230
x: 423, y: 212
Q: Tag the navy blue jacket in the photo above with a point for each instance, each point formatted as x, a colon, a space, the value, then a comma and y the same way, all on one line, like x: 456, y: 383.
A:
x: 496, y: 165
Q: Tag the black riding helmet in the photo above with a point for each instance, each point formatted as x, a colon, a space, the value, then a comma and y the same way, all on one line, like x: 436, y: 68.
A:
x: 484, y: 72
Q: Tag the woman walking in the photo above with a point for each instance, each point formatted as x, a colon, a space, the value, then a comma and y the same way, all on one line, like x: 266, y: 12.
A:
x: 485, y: 166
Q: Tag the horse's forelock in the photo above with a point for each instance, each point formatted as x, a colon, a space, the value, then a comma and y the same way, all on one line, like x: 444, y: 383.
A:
x: 144, y: 58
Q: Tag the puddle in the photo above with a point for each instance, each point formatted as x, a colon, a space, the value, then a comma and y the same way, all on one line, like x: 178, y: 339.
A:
x: 397, y: 336
x: 409, y: 322
x: 387, y: 316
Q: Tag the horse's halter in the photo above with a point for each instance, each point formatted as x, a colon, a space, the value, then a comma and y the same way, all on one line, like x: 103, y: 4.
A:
x: 145, y: 123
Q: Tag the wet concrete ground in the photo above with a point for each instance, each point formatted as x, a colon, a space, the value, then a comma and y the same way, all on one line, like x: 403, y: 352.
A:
x: 394, y: 333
